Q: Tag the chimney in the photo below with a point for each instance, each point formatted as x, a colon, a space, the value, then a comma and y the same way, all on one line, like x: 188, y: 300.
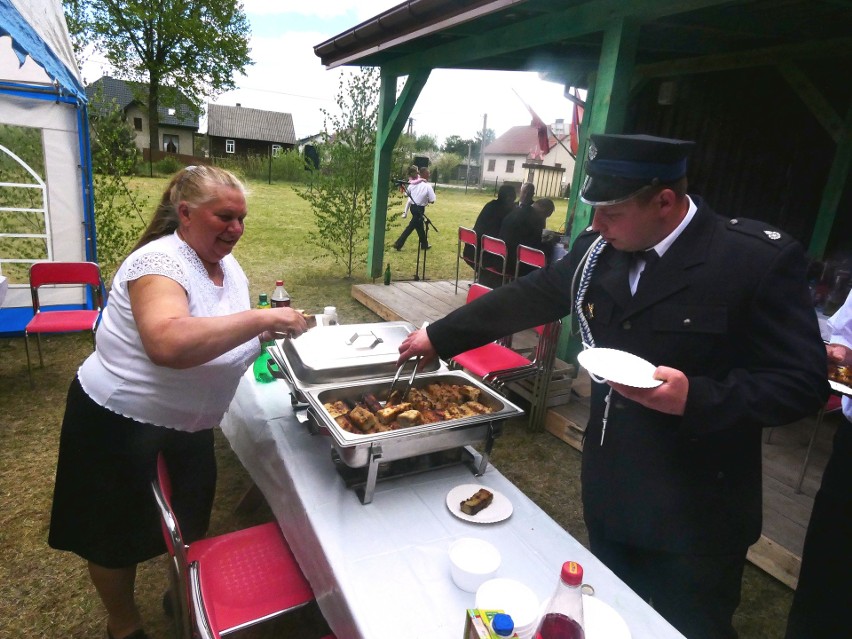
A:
x: 239, y: 105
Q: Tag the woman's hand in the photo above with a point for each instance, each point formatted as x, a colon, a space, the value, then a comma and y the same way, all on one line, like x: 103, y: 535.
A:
x: 669, y: 397
x: 417, y: 344
x: 286, y: 322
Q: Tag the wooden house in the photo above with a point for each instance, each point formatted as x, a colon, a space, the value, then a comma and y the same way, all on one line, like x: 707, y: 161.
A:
x: 177, y: 125
x: 238, y: 130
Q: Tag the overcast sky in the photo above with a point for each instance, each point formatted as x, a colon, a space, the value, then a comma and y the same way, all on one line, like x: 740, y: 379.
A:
x: 287, y: 76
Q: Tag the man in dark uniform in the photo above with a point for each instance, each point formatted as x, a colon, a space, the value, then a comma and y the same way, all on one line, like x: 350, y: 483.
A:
x: 491, y: 217
x: 526, y: 226
x: 672, y: 473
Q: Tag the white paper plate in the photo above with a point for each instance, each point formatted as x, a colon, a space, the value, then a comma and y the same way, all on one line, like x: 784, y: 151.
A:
x: 843, y: 389
x: 602, y: 621
x: 619, y: 367
x: 500, y: 508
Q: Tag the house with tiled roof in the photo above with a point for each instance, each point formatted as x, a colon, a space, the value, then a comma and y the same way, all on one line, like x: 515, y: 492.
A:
x: 177, y: 125
x: 238, y: 130
x: 516, y: 157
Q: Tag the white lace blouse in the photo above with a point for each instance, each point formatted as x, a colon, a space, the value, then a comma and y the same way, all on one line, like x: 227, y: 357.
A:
x: 119, y: 375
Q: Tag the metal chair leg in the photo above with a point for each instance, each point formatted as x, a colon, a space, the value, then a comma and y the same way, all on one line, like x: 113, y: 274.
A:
x: 29, y: 363
x: 38, y: 342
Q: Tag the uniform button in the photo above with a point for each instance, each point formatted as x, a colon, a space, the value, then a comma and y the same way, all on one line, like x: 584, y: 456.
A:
x: 626, y: 325
x: 687, y: 322
x: 735, y: 221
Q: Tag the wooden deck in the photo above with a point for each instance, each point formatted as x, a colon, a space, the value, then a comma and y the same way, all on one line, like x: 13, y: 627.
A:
x: 785, y: 512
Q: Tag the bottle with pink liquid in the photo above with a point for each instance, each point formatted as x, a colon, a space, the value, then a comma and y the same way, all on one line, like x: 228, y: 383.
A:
x: 563, y: 617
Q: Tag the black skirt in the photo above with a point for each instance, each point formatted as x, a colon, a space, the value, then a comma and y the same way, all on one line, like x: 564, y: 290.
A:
x: 103, y: 506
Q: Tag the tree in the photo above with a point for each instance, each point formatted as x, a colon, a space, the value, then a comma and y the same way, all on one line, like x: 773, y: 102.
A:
x: 118, y: 209
x: 342, y: 192
x: 445, y: 164
x: 455, y: 144
x: 478, y: 144
x: 426, y: 143
x: 170, y: 45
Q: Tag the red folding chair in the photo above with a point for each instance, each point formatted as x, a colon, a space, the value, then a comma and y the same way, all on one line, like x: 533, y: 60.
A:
x: 231, y: 581
x: 529, y: 256
x: 467, y: 238
x: 498, y: 365
x: 46, y: 320
x: 493, y: 246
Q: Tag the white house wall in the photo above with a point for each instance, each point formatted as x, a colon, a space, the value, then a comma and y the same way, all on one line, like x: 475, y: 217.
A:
x: 142, y: 138
x: 499, y: 173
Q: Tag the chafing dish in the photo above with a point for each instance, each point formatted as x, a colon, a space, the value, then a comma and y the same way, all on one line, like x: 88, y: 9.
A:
x: 359, y: 450
x: 328, y: 363
x: 334, y: 355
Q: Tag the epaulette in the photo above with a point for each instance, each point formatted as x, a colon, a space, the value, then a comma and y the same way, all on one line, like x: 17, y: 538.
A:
x: 758, y: 229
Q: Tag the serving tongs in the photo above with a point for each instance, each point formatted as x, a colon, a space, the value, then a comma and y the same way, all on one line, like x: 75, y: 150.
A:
x: 407, y: 386
x: 399, y: 372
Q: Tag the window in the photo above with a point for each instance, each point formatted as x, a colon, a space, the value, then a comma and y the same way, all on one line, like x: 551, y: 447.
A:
x: 229, y: 146
x: 171, y: 143
x: 171, y: 111
x: 510, y: 166
x: 492, y: 164
x: 137, y: 124
x: 276, y: 150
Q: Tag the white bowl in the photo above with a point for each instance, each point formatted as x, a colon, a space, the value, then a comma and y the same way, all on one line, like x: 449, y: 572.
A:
x: 513, y: 598
x: 473, y: 562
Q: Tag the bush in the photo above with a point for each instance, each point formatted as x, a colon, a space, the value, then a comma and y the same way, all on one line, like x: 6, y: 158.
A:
x: 168, y: 166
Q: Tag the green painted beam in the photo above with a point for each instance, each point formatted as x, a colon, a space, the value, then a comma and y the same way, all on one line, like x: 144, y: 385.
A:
x: 814, y: 99
x: 608, y: 108
x: 838, y: 180
x: 582, y: 19
x: 393, y: 114
x: 768, y: 57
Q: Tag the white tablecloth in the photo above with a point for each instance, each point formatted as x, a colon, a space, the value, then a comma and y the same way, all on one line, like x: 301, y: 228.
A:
x: 381, y: 570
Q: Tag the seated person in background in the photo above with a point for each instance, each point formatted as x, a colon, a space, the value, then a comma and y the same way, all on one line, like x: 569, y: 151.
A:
x: 491, y: 217
x: 526, y: 227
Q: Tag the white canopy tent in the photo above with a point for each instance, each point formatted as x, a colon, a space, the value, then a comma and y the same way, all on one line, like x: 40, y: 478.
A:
x: 46, y: 209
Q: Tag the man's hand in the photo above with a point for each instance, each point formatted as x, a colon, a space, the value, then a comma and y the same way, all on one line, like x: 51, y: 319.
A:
x: 417, y: 344
x: 837, y: 353
x: 669, y: 397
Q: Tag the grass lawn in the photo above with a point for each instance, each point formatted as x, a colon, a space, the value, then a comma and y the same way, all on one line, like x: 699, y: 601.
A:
x: 47, y: 594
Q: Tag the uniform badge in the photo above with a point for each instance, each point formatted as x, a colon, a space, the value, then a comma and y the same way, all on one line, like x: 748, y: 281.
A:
x: 773, y: 235
x: 593, y: 151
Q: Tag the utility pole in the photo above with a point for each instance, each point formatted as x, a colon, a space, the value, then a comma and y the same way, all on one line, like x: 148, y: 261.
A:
x: 410, y: 126
x: 482, y: 148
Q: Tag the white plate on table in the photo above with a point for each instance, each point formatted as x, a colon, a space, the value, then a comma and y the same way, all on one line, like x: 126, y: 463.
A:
x: 602, y: 621
x: 500, y: 508
x: 619, y: 367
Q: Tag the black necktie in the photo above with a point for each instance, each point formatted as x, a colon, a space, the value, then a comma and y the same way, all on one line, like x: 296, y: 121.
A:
x: 650, y: 258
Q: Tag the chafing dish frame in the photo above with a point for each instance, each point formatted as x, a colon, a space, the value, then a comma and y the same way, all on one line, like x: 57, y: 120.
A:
x: 370, y: 450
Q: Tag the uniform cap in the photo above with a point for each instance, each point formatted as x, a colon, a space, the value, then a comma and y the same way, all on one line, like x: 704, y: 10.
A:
x: 619, y: 166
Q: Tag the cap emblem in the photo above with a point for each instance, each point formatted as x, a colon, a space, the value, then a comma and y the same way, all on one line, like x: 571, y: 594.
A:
x: 773, y: 235
x: 593, y: 150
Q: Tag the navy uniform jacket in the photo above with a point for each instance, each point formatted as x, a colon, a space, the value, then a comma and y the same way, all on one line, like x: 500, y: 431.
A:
x: 728, y: 305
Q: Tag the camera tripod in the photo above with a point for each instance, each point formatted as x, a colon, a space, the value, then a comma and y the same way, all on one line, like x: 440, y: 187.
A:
x: 426, y: 224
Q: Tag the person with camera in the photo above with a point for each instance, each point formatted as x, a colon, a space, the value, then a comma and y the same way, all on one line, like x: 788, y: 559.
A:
x: 421, y: 195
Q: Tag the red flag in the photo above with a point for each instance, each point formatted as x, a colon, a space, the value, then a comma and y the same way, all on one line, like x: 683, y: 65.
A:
x: 538, y: 123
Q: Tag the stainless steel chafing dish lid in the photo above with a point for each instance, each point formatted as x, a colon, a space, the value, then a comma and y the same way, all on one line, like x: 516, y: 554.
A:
x: 347, y: 352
